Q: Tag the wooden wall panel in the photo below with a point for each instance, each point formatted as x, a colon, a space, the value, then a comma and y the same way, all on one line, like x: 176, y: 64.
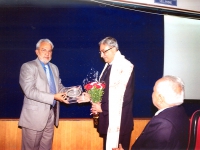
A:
x: 10, y: 135
x: 76, y: 134
x: 72, y: 134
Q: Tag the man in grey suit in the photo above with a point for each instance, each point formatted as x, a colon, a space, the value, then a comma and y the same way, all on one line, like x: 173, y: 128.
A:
x: 40, y: 111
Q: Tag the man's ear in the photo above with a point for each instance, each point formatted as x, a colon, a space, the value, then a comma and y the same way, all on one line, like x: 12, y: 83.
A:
x: 160, y: 99
x: 115, y: 49
x: 36, y: 51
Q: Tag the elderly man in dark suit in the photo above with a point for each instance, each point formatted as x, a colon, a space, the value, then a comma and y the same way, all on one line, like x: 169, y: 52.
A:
x: 115, y: 110
x: 169, y: 128
x: 41, y: 84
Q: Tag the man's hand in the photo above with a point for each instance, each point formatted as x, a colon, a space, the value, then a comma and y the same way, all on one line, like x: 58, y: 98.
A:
x: 120, y: 147
x: 85, y: 97
x: 96, y: 108
x: 62, y: 97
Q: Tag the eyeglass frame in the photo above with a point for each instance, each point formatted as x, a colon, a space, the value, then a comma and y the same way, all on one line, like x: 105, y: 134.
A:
x: 105, y: 50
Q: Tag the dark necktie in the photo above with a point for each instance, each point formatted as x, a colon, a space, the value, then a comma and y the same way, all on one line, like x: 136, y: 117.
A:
x: 105, y: 72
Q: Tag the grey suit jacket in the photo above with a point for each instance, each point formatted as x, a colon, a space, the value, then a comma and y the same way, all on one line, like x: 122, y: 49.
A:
x: 37, y: 96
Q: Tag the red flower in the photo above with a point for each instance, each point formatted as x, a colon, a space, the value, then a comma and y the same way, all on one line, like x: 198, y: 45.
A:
x: 98, y: 86
x: 95, y: 89
x: 88, y: 87
x: 91, y: 85
x: 103, y: 85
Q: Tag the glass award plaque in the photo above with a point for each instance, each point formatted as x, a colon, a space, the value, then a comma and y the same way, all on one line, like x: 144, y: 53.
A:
x: 73, y: 92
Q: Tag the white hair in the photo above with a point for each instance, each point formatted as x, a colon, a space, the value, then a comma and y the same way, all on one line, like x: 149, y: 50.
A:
x: 172, y: 89
x: 44, y: 40
x: 110, y: 41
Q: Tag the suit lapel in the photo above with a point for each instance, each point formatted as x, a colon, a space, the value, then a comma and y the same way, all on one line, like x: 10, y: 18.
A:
x: 41, y: 70
x: 42, y: 73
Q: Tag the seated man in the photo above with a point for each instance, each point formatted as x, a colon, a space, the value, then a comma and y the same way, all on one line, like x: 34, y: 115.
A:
x: 169, y: 128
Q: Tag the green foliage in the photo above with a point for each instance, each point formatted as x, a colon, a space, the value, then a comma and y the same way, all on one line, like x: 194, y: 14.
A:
x: 96, y: 94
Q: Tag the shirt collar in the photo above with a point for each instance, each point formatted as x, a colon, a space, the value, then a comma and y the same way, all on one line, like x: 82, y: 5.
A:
x: 159, y: 111
x: 43, y: 65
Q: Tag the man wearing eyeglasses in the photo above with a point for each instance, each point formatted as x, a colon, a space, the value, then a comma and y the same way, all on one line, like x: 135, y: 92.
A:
x: 115, y: 111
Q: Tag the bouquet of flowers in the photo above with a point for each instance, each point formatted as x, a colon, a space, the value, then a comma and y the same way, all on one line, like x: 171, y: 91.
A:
x: 95, y: 89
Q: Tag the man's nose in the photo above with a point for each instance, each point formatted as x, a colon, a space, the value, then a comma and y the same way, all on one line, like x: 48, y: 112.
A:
x: 47, y: 53
x: 102, y: 54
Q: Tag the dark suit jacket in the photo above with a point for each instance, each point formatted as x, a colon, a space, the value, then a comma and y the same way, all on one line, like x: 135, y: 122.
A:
x: 166, y: 131
x: 127, y: 117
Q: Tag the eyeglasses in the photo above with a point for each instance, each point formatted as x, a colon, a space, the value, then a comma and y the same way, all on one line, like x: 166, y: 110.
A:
x: 105, y: 51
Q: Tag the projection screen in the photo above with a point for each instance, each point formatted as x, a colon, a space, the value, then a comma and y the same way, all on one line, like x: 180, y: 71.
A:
x: 182, y: 52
